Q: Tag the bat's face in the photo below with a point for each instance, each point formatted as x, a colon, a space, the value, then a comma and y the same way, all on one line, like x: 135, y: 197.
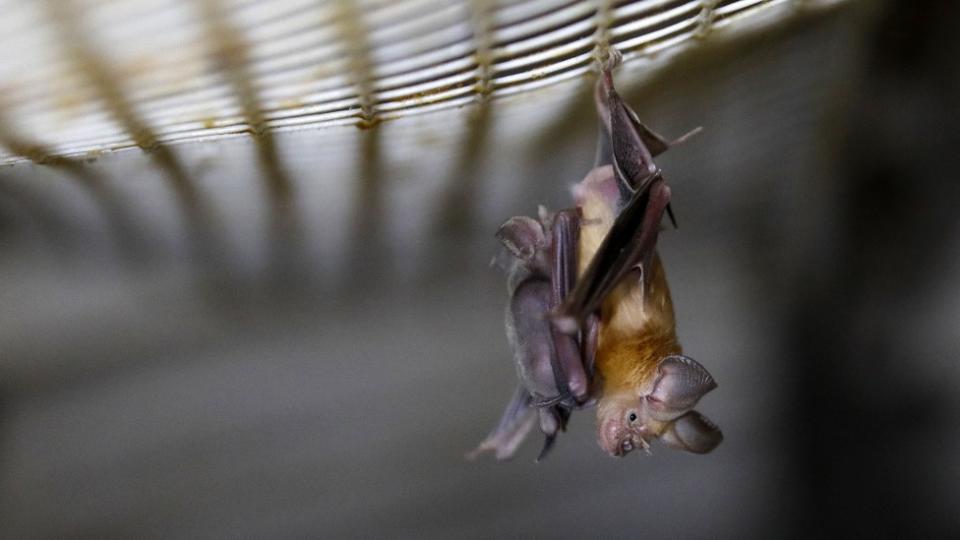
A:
x: 662, y: 408
x: 625, y: 424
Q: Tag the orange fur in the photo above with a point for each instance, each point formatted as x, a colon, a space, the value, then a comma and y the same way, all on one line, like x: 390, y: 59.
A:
x: 636, y: 331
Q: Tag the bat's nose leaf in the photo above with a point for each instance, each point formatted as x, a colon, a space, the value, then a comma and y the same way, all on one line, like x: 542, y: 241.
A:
x: 694, y: 433
x: 681, y: 382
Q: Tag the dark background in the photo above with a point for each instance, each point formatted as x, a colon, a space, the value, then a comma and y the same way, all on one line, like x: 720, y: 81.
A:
x: 157, y: 381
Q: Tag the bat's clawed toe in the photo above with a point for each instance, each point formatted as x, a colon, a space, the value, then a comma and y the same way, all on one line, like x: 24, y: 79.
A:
x: 552, y: 421
x: 609, y: 61
x: 545, y: 449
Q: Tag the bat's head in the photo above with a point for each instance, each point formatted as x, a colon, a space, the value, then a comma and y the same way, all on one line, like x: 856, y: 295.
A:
x: 661, y: 408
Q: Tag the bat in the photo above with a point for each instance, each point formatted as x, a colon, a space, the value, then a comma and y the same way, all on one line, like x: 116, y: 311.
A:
x: 589, y: 318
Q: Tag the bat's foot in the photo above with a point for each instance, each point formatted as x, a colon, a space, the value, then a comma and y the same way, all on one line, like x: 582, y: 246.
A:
x: 608, y: 58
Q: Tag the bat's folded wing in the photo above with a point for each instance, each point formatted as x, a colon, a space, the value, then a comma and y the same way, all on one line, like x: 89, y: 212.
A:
x: 629, y: 244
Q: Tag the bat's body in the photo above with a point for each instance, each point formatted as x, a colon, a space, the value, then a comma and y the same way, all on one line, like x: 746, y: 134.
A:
x: 590, y: 318
x: 637, y: 325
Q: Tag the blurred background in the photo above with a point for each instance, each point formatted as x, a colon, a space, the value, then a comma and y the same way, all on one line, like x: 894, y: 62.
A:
x: 244, y: 281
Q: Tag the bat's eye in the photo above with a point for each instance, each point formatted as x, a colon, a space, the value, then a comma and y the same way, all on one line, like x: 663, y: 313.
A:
x: 632, y: 417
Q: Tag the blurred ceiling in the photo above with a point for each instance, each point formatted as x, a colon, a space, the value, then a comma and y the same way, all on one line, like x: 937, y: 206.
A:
x: 278, y: 136
x: 83, y: 77
x: 274, y: 318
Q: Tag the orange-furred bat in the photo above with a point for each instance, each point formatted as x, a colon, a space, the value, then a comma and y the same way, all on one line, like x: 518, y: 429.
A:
x: 590, y: 318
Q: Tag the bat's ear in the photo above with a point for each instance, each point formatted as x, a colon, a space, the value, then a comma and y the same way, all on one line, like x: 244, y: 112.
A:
x: 680, y: 383
x: 692, y: 432
x: 522, y: 236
